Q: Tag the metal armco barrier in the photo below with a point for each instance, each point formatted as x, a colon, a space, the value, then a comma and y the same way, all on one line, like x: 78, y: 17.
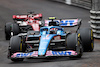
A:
x: 95, y: 18
x: 63, y: 1
x: 82, y: 3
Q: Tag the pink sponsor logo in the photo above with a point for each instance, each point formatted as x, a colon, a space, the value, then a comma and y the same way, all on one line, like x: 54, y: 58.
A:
x: 49, y: 53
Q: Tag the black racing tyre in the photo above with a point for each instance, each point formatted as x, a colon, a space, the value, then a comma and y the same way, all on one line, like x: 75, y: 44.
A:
x: 15, y: 29
x: 81, y: 52
x: 87, y: 39
x: 17, y: 45
x: 73, y: 43
x: 8, y: 31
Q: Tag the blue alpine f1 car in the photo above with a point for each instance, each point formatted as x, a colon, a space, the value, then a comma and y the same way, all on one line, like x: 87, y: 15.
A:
x: 51, y: 41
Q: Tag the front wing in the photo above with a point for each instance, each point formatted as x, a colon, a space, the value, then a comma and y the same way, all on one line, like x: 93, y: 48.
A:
x: 34, y: 54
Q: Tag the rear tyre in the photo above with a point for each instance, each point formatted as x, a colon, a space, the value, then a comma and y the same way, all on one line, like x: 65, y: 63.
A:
x: 16, y: 45
x: 73, y: 43
x: 15, y: 29
x: 8, y: 31
x: 87, y: 39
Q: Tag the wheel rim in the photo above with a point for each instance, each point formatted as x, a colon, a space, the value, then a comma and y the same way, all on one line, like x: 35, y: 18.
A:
x: 92, y: 40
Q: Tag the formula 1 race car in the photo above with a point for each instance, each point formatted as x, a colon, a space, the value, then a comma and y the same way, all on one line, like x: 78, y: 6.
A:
x: 23, y: 23
x: 51, y: 41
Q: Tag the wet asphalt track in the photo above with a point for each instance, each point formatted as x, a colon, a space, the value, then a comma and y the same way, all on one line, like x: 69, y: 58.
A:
x: 47, y: 8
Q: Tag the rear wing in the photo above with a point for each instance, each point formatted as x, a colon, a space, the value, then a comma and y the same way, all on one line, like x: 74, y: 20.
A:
x: 19, y: 17
x: 23, y: 17
x: 65, y: 22
x: 70, y: 22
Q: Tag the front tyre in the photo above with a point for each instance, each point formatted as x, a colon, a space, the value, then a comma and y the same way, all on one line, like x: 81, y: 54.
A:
x: 16, y: 45
x: 73, y: 43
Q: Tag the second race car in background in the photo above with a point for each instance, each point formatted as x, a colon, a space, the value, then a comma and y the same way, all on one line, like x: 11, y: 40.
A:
x: 22, y: 24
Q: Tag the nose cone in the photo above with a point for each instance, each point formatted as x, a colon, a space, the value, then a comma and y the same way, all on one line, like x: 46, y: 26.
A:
x: 44, y: 42
x: 41, y: 52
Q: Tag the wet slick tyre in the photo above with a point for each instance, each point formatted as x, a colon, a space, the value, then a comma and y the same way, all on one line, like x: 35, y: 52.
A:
x: 87, y: 39
x: 8, y: 31
x: 73, y: 43
x: 16, y: 45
